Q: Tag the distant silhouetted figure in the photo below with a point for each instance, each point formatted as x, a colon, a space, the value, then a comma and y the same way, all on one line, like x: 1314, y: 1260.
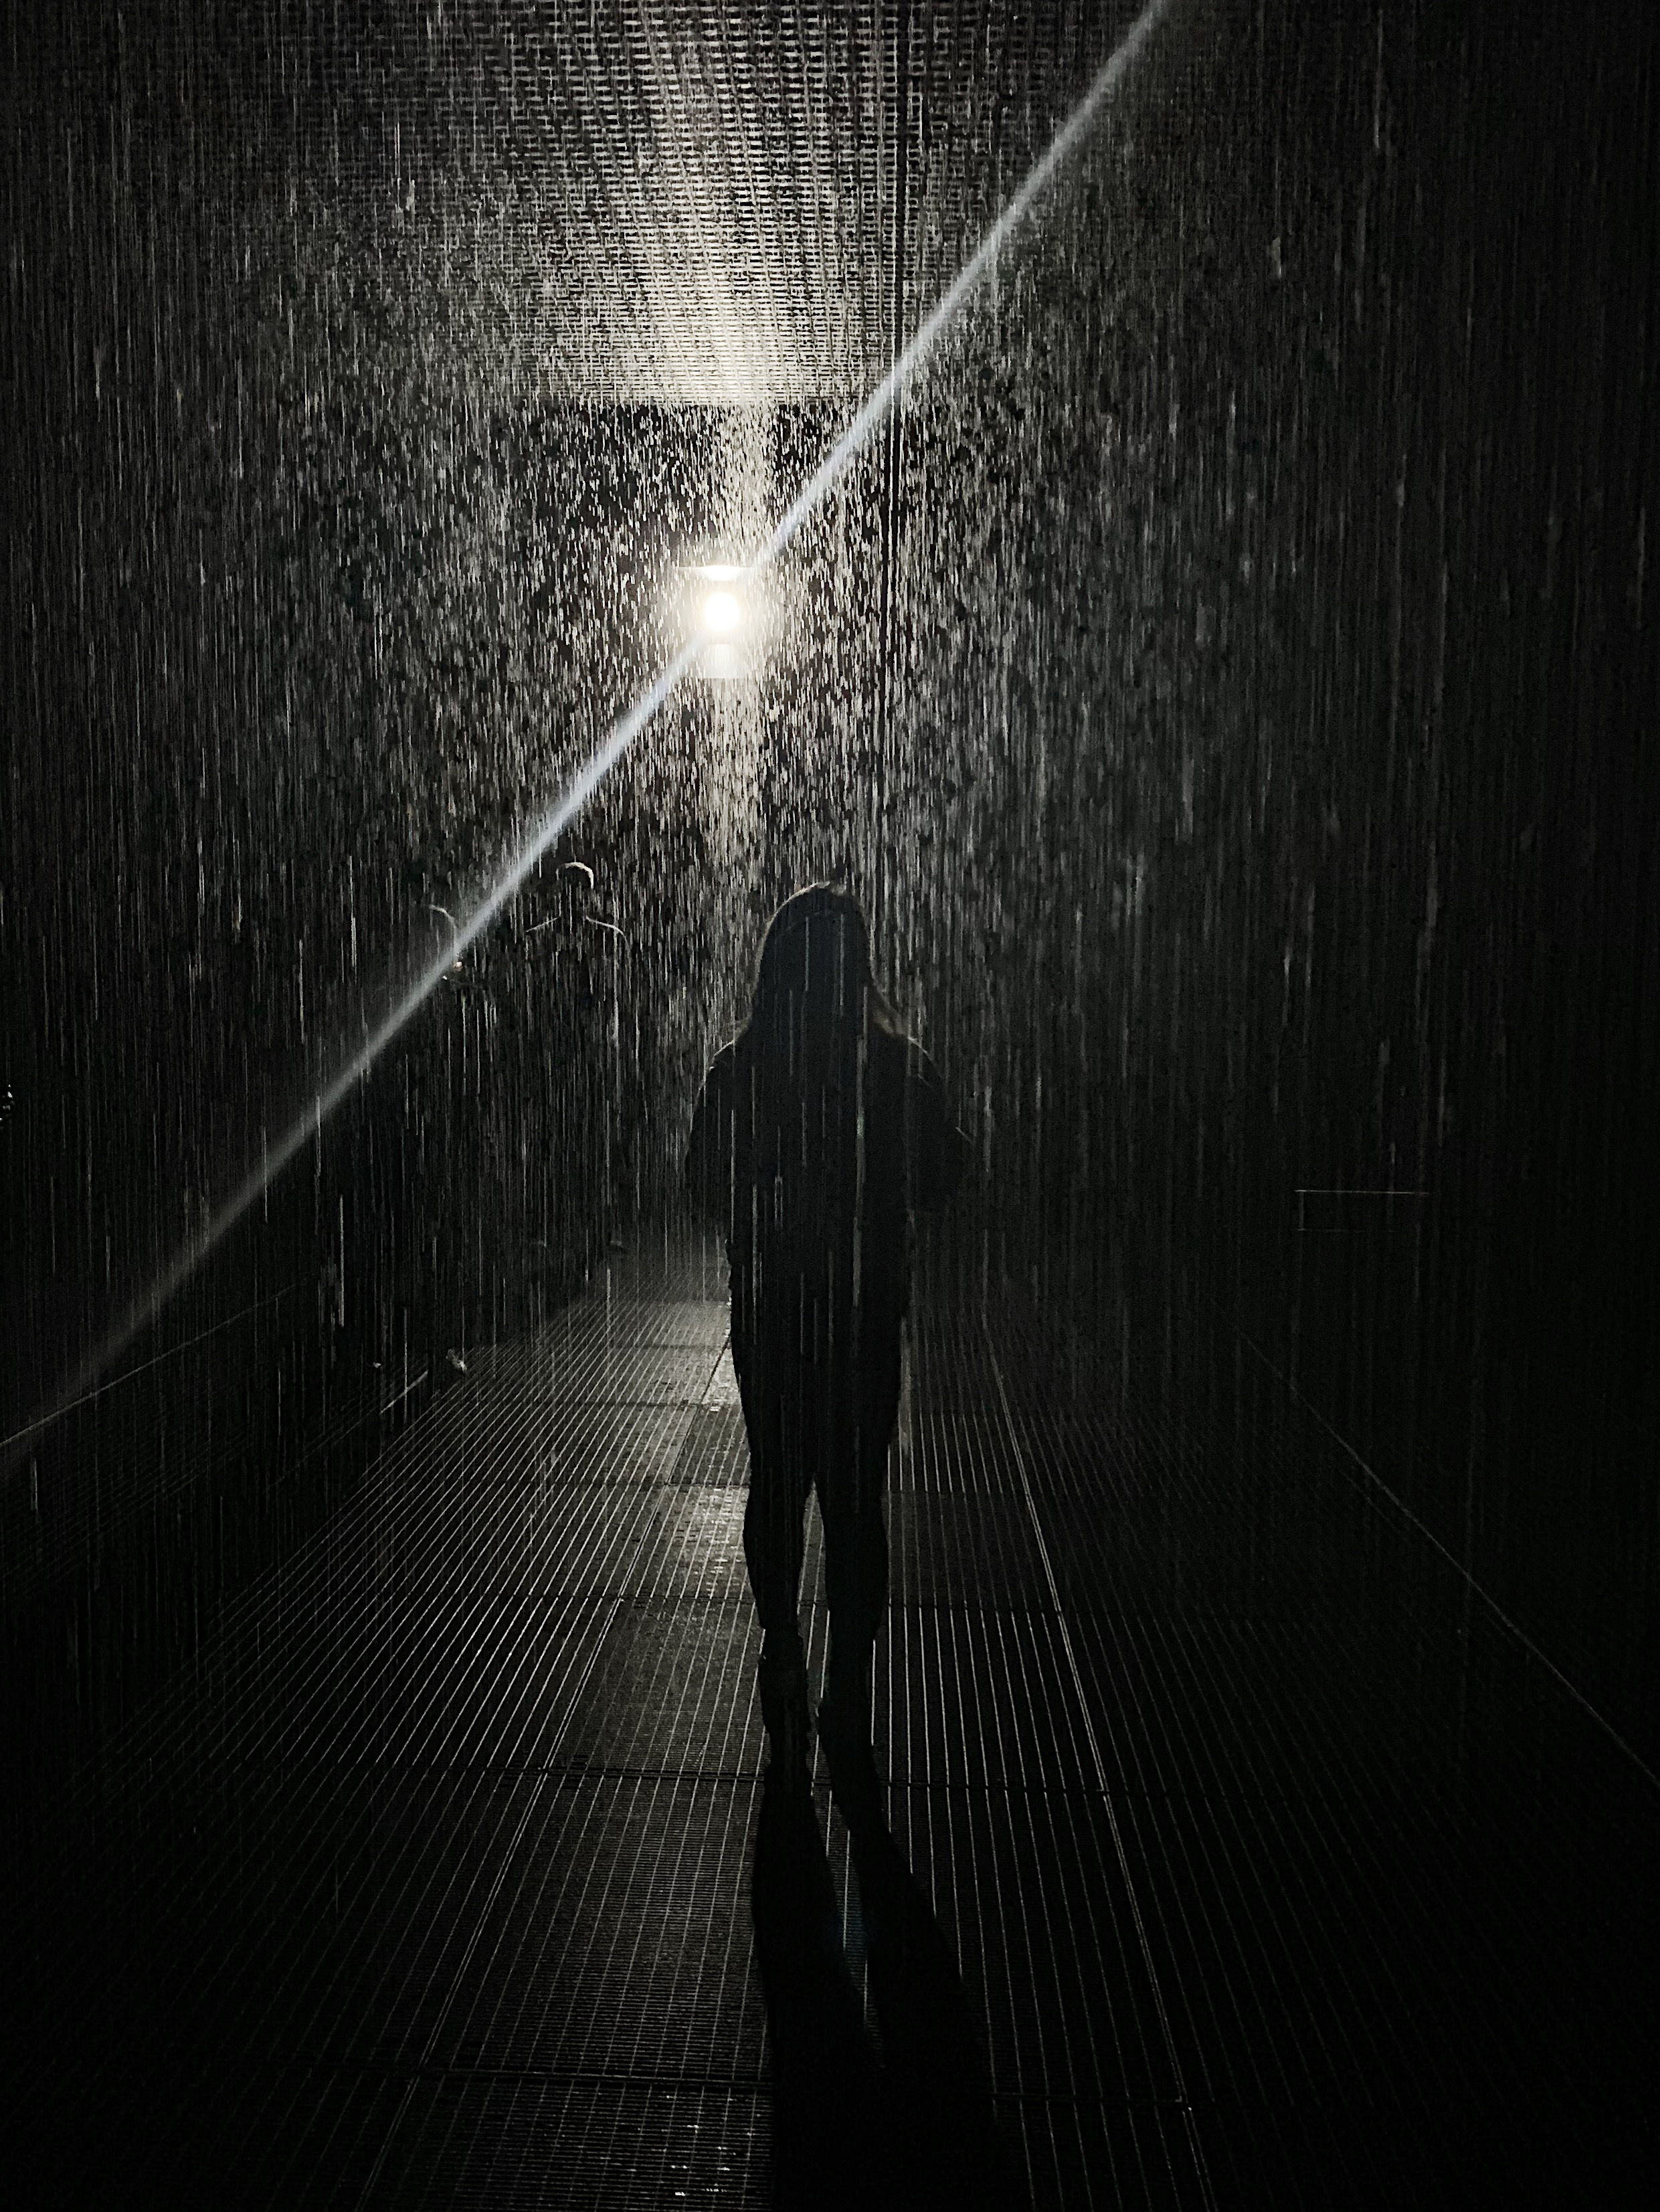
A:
x: 818, y: 1129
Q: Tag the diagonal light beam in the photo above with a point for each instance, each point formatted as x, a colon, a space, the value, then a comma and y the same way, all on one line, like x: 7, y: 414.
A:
x: 576, y: 794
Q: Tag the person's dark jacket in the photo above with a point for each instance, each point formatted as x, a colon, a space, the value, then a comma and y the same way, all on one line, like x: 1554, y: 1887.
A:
x: 812, y: 1182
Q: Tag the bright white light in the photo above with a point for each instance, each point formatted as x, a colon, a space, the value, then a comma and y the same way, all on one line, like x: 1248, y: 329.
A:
x: 719, y: 571
x: 721, y: 613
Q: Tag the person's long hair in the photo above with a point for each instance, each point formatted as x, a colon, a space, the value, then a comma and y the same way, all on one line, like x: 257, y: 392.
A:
x: 815, y: 990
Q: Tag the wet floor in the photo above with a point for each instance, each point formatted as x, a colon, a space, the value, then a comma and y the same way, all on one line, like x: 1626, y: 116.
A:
x: 430, y: 1884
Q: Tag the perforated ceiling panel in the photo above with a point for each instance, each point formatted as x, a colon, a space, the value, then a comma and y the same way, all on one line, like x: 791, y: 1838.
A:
x: 718, y: 203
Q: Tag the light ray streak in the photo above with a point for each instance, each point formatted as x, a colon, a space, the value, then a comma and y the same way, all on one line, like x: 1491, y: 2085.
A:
x: 575, y: 796
x: 1038, y: 177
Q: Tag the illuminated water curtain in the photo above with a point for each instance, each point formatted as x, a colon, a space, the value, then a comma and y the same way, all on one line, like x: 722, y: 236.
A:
x: 729, y: 590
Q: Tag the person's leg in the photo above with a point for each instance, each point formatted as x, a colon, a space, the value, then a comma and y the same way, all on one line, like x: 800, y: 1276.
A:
x: 856, y: 1542
x: 774, y: 1544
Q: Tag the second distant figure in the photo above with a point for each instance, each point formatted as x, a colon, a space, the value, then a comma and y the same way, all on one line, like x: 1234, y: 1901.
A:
x: 816, y: 1131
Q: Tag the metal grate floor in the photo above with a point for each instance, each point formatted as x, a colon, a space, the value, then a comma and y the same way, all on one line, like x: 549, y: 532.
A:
x: 1274, y: 1872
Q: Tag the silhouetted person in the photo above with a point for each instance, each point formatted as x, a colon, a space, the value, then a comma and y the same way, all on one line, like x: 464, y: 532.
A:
x: 818, y: 1129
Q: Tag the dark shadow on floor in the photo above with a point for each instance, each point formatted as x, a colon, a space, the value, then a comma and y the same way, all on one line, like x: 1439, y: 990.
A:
x: 913, y: 2126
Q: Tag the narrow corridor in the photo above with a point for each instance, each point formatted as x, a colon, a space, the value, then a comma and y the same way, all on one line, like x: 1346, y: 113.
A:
x: 432, y: 1885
